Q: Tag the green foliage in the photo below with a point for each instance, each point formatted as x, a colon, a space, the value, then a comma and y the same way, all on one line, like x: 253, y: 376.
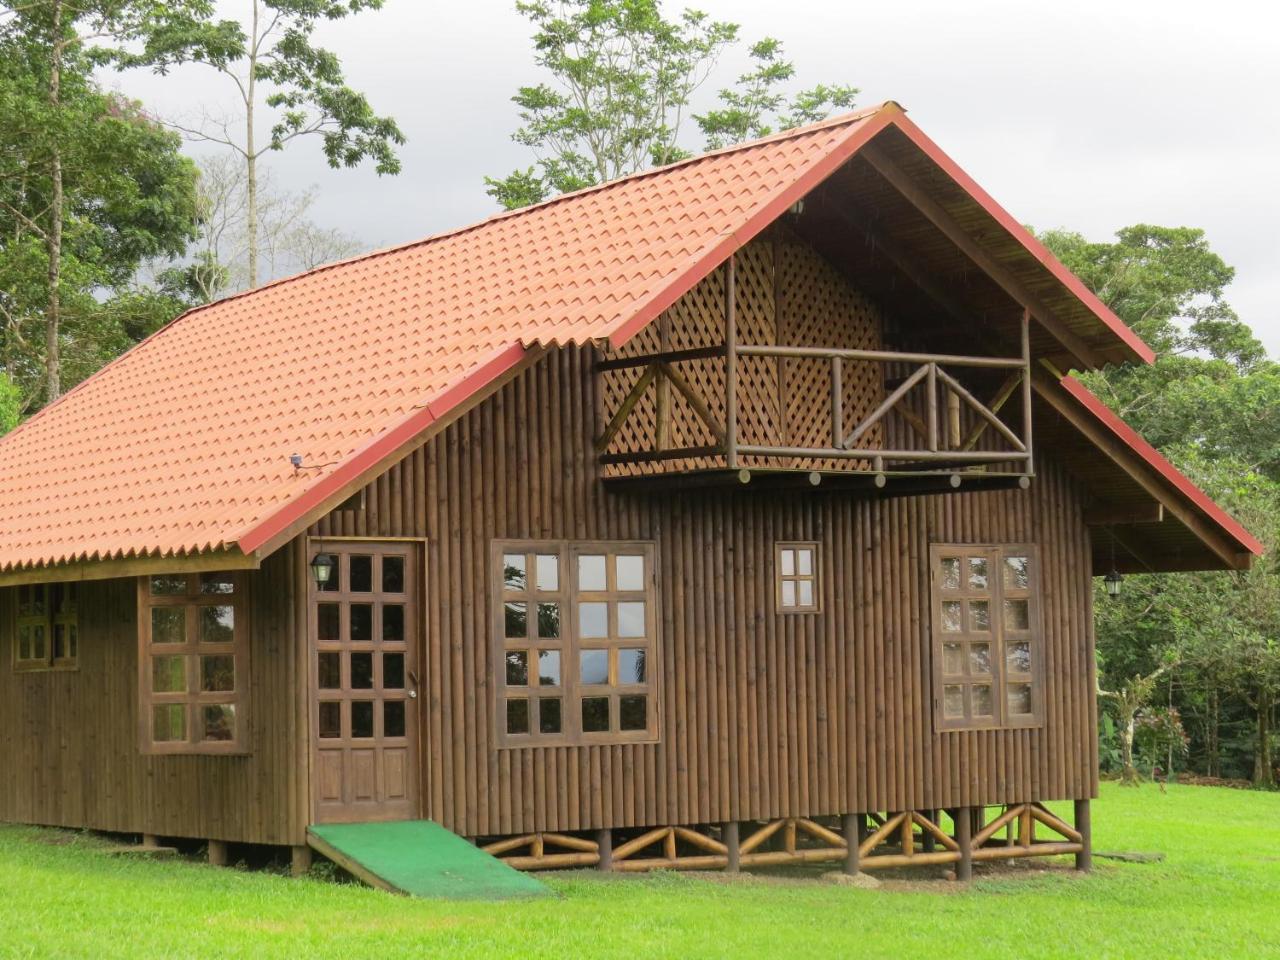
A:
x: 623, y: 76
x: 90, y: 188
x: 757, y: 105
x: 10, y: 404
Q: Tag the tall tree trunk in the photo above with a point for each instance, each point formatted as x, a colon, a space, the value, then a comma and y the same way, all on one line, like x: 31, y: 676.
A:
x: 53, y: 236
x: 1264, y: 771
x: 251, y: 155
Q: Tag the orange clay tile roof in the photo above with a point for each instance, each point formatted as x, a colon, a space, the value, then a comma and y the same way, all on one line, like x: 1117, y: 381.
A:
x: 182, y: 445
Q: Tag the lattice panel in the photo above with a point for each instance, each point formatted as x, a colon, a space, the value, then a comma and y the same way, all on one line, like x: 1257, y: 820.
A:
x: 779, y: 278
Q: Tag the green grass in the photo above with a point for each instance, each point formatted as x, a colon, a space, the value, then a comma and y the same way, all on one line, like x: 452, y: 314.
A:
x: 1216, y: 895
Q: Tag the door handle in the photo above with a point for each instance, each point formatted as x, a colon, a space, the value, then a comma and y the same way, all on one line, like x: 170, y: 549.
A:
x: 413, y: 678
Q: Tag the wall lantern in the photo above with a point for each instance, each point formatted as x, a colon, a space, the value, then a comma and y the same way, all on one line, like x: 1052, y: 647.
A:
x: 1112, y: 581
x: 321, y: 568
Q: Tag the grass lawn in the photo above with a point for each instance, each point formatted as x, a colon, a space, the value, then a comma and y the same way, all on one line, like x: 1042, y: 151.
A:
x: 1216, y: 895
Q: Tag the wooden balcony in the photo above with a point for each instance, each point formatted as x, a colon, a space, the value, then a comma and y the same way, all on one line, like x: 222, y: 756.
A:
x: 912, y: 422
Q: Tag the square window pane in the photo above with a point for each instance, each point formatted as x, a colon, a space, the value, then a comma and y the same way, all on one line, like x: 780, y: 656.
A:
x: 633, y: 713
x: 515, y: 619
x: 329, y: 670
x: 393, y: 718
x: 517, y: 668
x: 787, y: 560
x: 59, y: 641
x: 950, y: 573
x: 953, y: 701
x: 72, y: 640
x: 361, y: 670
x: 218, y: 722
x: 977, y: 573
x: 168, y: 674
x: 168, y: 625
x: 951, y: 616
x: 24, y: 642
x: 393, y: 574
x: 217, y: 583
x: 37, y: 641
x: 168, y: 722
x: 631, y: 619
x: 393, y: 671
x: 980, y: 658
x: 1018, y: 657
x: 514, y: 572
x: 593, y: 666
x: 804, y: 562
x: 1020, y: 698
x: 330, y: 719
x: 952, y: 659
x: 517, y: 716
x: 327, y: 629
x: 591, y: 572
x: 549, y: 621
x: 361, y: 574
x: 1017, y: 615
x: 66, y: 597
x: 593, y: 620
x: 1017, y: 573
x: 217, y: 624
x: 788, y: 593
x: 804, y: 593
x: 980, y: 615
x: 361, y: 622
x: 632, y: 667
x: 549, y: 668
x: 983, y: 706
x: 168, y: 585
x: 218, y: 674
x: 547, y: 572
x: 549, y: 715
x: 361, y: 719
x: 392, y: 623
x: 595, y: 714
x: 630, y: 572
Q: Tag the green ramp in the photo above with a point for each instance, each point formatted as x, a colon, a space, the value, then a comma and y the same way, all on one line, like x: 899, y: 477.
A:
x: 421, y: 859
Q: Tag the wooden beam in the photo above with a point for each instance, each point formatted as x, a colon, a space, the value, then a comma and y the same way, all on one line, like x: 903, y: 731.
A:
x: 880, y: 161
x: 696, y: 402
x: 662, y: 356
x: 624, y: 409
x: 1106, y: 514
x: 132, y: 567
x: 731, y: 362
x: 999, y: 400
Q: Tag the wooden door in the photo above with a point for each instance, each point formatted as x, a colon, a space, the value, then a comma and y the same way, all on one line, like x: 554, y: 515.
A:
x: 364, y: 684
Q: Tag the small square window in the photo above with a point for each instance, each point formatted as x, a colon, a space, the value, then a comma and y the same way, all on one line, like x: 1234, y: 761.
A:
x: 591, y: 573
x: 548, y: 572
x: 514, y: 573
x: 595, y: 714
x: 796, y: 577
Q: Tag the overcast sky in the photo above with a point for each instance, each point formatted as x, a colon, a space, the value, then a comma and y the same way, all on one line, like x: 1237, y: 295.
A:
x: 1088, y: 115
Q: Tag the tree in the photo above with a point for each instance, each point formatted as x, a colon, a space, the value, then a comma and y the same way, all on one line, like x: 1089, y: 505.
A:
x: 623, y: 77
x: 10, y: 404
x: 274, y: 64
x: 76, y: 169
x: 751, y: 109
x: 289, y: 241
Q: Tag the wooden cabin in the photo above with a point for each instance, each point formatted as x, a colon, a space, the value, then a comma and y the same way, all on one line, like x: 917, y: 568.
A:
x: 737, y: 512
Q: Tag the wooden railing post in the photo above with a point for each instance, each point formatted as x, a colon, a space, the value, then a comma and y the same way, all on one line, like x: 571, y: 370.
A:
x: 931, y: 407
x: 963, y: 817
x: 1026, y: 390
x: 731, y: 364
x: 1084, y: 859
x: 837, y: 403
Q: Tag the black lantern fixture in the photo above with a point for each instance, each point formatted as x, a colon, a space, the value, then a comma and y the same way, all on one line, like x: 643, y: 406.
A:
x: 321, y: 568
x: 1113, y: 579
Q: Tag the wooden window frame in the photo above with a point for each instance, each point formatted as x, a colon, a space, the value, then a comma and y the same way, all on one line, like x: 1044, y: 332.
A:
x: 795, y: 577
x: 51, y: 616
x: 192, y: 698
x: 570, y: 689
x: 998, y: 635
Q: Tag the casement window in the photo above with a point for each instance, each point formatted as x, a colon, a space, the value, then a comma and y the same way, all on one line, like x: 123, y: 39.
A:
x: 986, y: 636
x: 193, y: 663
x: 47, y: 629
x: 575, y: 642
x: 795, y: 574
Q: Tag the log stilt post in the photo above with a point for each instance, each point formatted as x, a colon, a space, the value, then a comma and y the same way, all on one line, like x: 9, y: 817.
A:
x: 732, y: 846
x: 150, y: 841
x: 963, y: 817
x: 852, y: 829
x: 218, y: 853
x: 604, y: 843
x: 1084, y: 859
x: 300, y: 860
